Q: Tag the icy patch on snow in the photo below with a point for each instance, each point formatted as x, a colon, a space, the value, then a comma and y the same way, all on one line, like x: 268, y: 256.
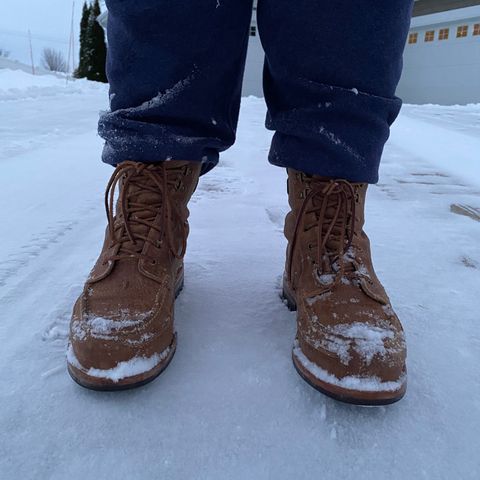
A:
x: 438, y: 143
x: 361, y: 384
x: 129, y: 368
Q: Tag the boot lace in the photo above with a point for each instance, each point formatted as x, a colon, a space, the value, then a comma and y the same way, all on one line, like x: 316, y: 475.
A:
x: 335, y: 231
x: 130, y: 225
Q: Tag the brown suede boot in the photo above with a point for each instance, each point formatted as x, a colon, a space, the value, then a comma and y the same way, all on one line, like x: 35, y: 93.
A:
x: 350, y: 344
x: 122, y: 332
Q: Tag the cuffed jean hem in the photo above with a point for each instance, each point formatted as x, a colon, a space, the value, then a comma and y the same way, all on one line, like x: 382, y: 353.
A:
x: 337, y: 132
x: 160, y: 144
x: 114, y: 156
x: 296, y: 153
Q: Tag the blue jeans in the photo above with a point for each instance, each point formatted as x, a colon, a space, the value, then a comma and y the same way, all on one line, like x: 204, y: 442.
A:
x: 331, y: 69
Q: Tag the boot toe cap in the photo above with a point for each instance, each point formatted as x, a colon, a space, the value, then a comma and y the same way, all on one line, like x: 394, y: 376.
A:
x: 102, y: 341
x: 364, y: 345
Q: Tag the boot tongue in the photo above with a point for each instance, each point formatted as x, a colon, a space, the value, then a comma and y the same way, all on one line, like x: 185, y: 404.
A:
x: 336, y: 240
x: 140, y: 192
x: 334, y: 223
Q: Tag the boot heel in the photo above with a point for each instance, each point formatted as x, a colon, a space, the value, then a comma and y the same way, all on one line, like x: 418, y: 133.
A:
x: 179, y: 286
x: 288, y: 298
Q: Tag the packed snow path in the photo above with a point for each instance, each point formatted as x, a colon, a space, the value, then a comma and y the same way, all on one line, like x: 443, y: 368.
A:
x: 231, y: 405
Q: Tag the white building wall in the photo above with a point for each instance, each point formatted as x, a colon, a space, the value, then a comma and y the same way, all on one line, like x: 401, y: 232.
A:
x: 443, y: 71
x: 252, y: 81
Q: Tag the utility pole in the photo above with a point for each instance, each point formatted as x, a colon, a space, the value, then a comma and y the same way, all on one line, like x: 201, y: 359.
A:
x: 71, y: 44
x: 73, y: 36
x: 31, y: 51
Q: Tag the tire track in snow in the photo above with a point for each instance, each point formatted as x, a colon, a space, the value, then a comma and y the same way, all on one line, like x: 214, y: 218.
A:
x: 27, y: 253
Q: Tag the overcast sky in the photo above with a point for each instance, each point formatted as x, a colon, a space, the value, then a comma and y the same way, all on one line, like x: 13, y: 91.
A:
x: 49, y: 22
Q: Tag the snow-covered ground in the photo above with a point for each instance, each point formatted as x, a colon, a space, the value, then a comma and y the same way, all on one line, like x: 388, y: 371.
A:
x: 231, y: 406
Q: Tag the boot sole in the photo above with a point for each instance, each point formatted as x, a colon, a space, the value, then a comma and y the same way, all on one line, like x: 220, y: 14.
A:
x: 128, y: 383
x: 288, y: 298
x: 353, y: 397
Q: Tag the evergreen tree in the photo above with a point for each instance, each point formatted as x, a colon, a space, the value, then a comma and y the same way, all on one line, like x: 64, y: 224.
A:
x: 83, y: 61
x: 97, y: 49
x: 93, y: 50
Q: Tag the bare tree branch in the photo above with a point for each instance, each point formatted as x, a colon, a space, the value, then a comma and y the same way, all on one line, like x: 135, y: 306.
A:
x: 54, y: 60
